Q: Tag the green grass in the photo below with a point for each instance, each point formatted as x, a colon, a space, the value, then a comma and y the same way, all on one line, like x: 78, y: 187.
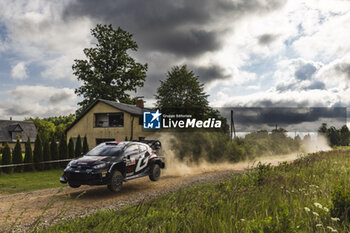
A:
x: 293, y: 197
x: 29, y: 181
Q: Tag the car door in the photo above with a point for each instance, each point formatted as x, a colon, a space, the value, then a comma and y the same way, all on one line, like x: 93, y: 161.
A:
x: 131, y: 155
x: 142, y: 161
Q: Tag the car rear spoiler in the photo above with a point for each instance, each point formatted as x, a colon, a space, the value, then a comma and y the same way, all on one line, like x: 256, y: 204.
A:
x: 154, y: 144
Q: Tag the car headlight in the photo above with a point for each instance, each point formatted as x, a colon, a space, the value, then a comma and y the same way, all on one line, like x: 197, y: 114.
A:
x: 99, y: 166
x: 69, y: 164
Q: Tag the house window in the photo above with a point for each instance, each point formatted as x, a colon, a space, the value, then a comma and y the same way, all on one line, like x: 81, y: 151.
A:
x: 109, y: 119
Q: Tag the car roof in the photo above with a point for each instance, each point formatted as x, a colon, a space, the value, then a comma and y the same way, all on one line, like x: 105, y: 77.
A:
x: 125, y: 142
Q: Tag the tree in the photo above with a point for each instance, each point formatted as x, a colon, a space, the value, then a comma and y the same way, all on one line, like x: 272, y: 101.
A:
x: 47, y: 154
x: 109, y: 72
x: 28, y: 157
x: 333, y: 136
x: 38, y: 154
x: 17, y: 156
x: 71, y: 152
x: 54, y: 152
x: 85, y: 145
x: 181, y: 93
x: 6, y: 158
x: 45, y: 128
x: 63, y: 152
x: 78, y: 148
x: 344, y: 136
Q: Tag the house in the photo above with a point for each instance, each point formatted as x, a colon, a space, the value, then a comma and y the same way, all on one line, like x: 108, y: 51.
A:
x: 106, y: 120
x: 11, y: 130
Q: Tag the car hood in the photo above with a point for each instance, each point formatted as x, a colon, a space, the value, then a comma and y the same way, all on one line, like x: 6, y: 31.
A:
x: 91, y: 160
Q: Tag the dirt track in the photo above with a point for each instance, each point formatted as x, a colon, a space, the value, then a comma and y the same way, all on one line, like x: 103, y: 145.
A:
x: 27, y: 207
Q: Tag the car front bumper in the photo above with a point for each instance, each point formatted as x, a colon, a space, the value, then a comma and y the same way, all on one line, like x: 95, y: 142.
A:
x: 84, y: 177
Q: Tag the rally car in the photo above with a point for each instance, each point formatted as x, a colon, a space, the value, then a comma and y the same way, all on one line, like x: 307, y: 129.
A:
x: 112, y: 163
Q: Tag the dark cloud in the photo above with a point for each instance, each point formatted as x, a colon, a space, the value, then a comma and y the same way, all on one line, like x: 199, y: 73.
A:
x: 292, y: 119
x: 305, y: 71
x: 177, y: 27
x: 301, y: 86
x: 210, y: 73
x: 60, y: 97
x: 343, y: 68
x: 266, y: 39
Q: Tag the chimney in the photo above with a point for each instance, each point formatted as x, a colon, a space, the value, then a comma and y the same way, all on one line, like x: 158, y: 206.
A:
x: 139, y: 103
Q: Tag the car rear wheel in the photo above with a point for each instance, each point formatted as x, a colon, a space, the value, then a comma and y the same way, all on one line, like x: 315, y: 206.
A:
x: 72, y: 185
x: 116, y: 181
x: 155, y: 172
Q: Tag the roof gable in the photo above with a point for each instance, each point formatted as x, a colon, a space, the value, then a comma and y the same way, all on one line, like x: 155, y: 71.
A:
x: 26, y: 128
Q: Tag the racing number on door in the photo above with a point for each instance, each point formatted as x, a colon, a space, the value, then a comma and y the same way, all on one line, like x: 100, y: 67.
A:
x: 141, y: 163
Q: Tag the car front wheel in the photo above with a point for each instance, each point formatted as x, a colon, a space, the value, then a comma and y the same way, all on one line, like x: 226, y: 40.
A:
x: 116, y: 181
x: 155, y: 172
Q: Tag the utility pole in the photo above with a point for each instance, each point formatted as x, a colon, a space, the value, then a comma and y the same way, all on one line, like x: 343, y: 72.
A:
x: 232, y: 126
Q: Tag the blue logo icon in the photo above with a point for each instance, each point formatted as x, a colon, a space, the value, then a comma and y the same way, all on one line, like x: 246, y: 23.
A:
x: 151, y: 120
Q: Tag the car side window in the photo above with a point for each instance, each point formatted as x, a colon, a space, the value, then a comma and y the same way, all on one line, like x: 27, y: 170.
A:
x: 131, y: 150
x: 143, y: 148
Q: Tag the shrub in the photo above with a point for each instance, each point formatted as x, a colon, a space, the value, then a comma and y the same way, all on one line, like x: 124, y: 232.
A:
x: 71, y: 152
x: 17, y: 156
x: 47, y: 154
x: 6, y: 159
x: 54, y: 152
x: 63, y: 152
x: 78, y: 148
x: 28, y: 157
x: 38, y: 154
x: 85, y: 145
x: 341, y: 202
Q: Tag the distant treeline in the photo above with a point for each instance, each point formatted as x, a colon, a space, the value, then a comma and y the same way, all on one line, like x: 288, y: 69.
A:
x: 336, y: 137
x: 217, y: 146
x: 48, y: 150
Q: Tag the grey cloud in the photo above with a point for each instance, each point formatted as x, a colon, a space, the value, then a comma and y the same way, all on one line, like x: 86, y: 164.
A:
x: 297, y: 85
x: 266, y: 39
x: 293, y: 119
x: 343, y: 68
x: 210, y: 73
x: 305, y: 71
x: 60, y: 97
x: 177, y: 27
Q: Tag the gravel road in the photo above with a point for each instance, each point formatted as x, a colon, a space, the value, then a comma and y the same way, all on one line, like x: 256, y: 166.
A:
x: 23, y: 209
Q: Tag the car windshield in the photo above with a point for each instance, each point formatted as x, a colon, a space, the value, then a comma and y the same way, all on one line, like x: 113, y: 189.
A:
x: 106, y: 150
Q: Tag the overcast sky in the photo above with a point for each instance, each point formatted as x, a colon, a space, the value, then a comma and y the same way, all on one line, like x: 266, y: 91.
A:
x: 255, y: 53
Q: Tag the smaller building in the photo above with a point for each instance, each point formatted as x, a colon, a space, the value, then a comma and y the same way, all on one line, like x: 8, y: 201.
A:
x: 11, y: 130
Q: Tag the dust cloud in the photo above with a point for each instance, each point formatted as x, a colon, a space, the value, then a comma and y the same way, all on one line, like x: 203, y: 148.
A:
x: 318, y: 144
x: 176, y: 167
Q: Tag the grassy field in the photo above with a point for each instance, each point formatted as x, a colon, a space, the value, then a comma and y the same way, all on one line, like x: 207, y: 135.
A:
x: 310, y: 195
x: 29, y: 181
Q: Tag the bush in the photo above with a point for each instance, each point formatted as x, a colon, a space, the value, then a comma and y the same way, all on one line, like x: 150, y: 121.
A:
x: 85, y: 145
x: 17, y: 156
x: 63, y: 152
x: 47, y: 155
x: 78, y: 149
x: 38, y: 154
x: 54, y: 152
x: 71, y: 151
x: 341, y: 202
x: 28, y: 157
x: 6, y: 159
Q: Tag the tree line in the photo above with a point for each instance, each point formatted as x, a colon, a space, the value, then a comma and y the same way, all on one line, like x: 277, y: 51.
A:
x: 336, y: 137
x: 47, y: 150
